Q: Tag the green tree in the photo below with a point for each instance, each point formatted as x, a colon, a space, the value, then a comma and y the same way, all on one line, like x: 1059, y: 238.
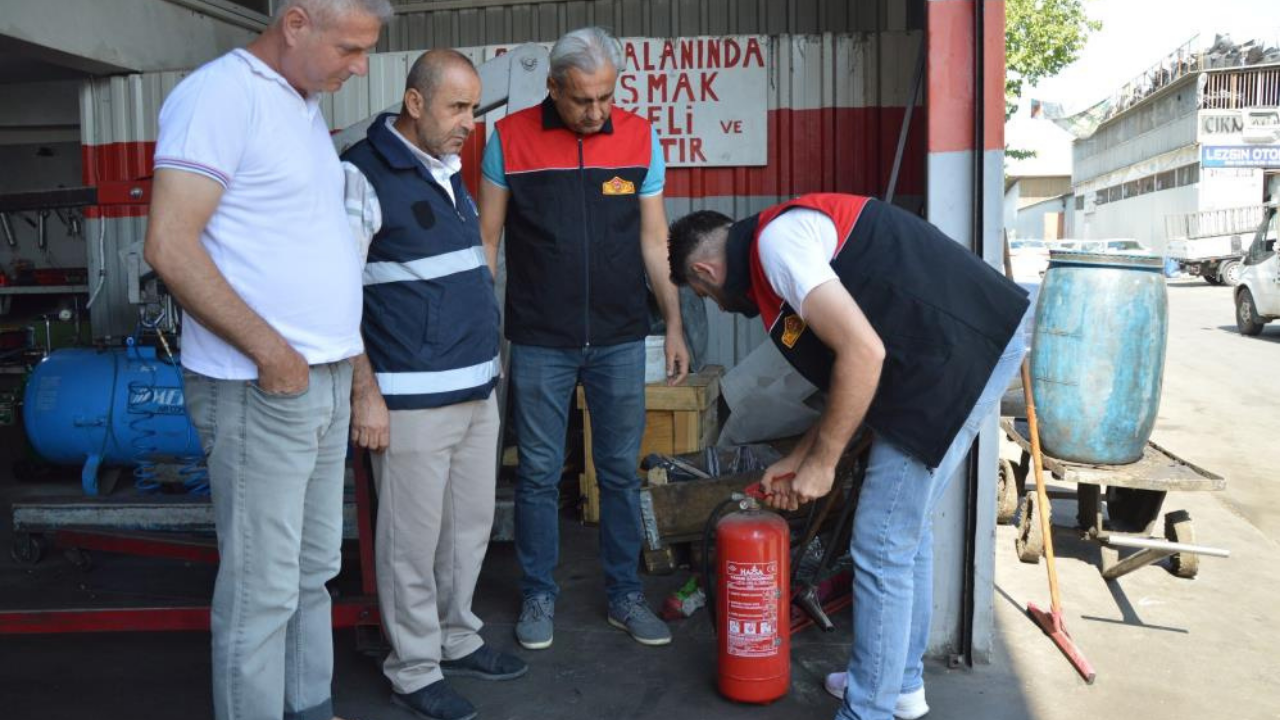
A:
x: 1041, y: 38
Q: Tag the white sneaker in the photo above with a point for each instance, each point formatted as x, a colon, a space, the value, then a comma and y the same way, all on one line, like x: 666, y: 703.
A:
x: 836, y: 683
x: 910, y: 706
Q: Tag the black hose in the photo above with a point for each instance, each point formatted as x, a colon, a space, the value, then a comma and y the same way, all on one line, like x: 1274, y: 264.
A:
x: 707, y: 586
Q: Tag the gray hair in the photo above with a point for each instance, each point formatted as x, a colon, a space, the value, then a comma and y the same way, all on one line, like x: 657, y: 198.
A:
x: 585, y: 50
x: 428, y: 70
x: 325, y: 11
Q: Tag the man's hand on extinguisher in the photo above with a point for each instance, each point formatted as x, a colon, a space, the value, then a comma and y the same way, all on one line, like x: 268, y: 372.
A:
x: 791, y: 490
x: 775, y: 481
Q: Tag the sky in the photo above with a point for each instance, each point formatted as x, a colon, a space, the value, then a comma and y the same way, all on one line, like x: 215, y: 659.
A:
x: 1135, y: 35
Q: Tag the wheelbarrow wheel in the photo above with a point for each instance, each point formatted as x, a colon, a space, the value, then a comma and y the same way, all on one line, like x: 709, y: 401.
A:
x: 1006, y: 493
x: 1178, y: 528
x: 1030, y: 540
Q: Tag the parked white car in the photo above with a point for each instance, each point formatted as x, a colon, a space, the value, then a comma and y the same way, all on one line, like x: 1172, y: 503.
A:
x: 1257, y: 297
x: 1118, y: 246
x: 1125, y: 247
x: 1029, y: 258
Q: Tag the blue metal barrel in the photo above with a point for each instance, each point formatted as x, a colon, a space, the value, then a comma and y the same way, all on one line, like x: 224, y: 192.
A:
x: 1097, y: 357
x: 121, y: 406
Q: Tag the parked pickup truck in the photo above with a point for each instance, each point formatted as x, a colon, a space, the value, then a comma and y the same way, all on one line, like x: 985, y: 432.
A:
x: 1211, y: 243
x: 1258, y: 294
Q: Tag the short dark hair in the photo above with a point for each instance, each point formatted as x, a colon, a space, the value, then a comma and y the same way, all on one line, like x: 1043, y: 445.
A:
x: 687, y: 235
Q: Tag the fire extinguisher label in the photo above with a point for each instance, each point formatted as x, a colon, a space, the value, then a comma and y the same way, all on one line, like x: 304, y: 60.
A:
x: 752, y: 600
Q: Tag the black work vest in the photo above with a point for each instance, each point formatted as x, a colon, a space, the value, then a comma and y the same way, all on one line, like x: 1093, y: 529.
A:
x: 431, y: 318
x: 943, y: 314
x: 575, y: 272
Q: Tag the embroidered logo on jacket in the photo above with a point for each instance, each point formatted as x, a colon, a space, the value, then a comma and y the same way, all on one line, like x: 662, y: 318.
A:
x: 618, y: 186
x: 792, y: 328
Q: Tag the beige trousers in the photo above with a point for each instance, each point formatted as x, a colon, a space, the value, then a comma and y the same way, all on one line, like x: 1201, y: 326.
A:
x: 435, y: 488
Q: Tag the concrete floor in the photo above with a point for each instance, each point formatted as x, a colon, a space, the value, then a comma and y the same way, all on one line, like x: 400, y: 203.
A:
x: 1163, y: 647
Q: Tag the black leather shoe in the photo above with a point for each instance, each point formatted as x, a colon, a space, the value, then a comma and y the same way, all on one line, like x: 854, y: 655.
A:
x: 436, y: 701
x: 486, y: 664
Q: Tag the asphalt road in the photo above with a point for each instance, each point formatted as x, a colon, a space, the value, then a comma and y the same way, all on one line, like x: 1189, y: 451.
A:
x: 1220, y: 407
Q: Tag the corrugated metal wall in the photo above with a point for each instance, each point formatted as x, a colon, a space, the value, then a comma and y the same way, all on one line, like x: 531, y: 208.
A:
x: 118, y: 122
x: 835, y: 107
x: 451, y: 23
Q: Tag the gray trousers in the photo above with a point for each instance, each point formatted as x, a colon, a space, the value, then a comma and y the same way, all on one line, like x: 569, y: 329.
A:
x: 276, y: 467
x: 435, y: 486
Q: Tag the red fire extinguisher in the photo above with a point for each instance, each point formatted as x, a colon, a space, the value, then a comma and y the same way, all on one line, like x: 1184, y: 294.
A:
x: 753, y: 595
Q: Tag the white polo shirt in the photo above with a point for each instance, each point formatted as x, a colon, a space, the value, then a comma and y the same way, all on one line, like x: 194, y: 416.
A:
x: 279, y: 234
x: 795, y: 252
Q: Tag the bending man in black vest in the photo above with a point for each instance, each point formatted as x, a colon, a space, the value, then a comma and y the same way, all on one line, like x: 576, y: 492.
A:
x: 431, y: 337
x: 906, y: 331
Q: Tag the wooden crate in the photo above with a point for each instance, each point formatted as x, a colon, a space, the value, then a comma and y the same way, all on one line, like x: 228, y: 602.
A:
x: 679, y: 419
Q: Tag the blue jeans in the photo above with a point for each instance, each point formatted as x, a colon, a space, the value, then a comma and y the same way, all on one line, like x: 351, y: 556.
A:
x: 892, y: 549
x: 542, y: 382
x: 276, y: 465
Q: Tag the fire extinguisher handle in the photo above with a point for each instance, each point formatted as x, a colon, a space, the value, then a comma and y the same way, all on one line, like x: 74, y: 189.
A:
x: 756, y: 490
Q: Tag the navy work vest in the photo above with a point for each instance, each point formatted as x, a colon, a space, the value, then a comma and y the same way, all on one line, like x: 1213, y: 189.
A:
x: 430, y: 314
x: 943, y: 314
x: 575, y: 273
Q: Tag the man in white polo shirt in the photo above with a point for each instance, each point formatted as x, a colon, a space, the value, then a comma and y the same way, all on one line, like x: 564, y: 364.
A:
x: 248, y: 231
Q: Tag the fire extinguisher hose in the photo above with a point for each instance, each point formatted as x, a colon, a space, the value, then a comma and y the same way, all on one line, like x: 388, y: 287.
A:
x: 707, y: 585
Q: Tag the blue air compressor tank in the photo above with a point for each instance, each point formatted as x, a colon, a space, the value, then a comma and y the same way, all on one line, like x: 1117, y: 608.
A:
x: 121, y: 406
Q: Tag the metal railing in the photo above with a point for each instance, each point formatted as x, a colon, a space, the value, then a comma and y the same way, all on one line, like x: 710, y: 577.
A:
x: 1213, y: 223
x: 1241, y: 88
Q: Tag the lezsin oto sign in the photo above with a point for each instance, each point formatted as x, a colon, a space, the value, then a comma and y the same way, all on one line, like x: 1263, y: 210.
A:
x: 1257, y: 156
x: 705, y: 96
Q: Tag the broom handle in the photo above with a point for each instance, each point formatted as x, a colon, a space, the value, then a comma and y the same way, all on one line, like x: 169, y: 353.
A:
x: 1042, y: 493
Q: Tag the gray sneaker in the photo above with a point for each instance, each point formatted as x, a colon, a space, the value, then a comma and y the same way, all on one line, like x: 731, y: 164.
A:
x: 535, y: 625
x: 632, y: 613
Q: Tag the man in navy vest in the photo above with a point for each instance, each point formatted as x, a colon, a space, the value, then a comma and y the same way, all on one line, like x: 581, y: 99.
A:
x: 422, y: 396
x: 577, y: 185
x: 906, y: 331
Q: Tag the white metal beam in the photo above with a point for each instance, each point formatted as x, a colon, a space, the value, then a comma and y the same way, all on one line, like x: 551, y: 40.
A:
x: 145, y: 35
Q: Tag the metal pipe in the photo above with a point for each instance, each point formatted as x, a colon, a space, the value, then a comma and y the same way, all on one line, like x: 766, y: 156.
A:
x: 1146, y: 543
x: 916, y: 82
x: 8, y: 230
x: 969, y: 593
x: 42, y: 229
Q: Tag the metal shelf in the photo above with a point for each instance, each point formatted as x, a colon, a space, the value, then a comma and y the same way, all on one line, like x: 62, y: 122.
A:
x: 8, y: 291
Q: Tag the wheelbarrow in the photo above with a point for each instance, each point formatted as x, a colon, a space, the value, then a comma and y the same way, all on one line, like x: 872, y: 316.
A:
x: 1133, y: 494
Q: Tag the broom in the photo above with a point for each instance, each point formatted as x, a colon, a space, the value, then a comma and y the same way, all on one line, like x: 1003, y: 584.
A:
x: 1050, y: 622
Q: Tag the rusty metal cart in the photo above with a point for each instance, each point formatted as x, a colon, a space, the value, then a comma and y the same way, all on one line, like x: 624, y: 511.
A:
x: 1134, y: 495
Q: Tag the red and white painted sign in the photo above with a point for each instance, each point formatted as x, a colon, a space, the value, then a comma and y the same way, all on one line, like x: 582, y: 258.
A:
x: 752, y: 594
x: 705, y: 96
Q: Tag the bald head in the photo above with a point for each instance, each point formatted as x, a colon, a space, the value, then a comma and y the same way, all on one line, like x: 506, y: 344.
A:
x: 441, y: 96
x: 429, y: 70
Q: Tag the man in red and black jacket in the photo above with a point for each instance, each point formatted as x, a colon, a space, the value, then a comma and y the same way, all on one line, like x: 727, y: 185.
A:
x: 577, y: 185
x: 905, y: 330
